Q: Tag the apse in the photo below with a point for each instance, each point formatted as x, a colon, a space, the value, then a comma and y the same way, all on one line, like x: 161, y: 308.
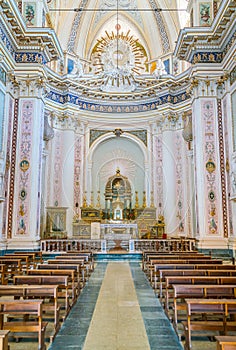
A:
x: 118, y: 153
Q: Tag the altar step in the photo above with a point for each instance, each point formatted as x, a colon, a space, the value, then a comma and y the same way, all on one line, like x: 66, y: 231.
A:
x: 122, y: 245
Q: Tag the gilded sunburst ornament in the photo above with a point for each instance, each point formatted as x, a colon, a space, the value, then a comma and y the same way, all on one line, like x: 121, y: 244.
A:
x: 119, y: 58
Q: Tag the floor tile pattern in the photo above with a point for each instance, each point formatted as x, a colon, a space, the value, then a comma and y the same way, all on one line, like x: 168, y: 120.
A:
x: 117, y: 322
x: 74, y: 330
x: 159, y: 330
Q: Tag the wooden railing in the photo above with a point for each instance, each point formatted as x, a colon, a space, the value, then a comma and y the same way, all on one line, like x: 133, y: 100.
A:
x: 135, y: 245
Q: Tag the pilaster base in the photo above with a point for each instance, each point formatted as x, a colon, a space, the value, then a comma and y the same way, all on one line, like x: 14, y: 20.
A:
x: 232, y: 245
x: 212, y: 243
x: 3, y: 244
x: 22, y: 244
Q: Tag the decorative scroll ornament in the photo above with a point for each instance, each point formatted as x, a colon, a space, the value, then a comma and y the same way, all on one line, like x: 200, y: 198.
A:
x: 24, y: 165
x: 210, y: 166
x: 48, y: 132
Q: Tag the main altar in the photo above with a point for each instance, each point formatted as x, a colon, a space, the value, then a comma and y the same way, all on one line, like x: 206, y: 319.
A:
x: 120, y: 218
x: 120, y: 230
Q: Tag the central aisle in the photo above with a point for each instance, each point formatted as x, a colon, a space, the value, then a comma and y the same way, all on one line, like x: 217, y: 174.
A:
x: 117, y: 310
x: 117, y: 320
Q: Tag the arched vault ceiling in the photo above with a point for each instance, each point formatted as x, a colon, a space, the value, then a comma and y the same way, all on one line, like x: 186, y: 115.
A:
x: 157, y: 31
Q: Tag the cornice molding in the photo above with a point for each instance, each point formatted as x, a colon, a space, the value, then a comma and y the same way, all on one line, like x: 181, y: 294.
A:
x: 209, y: 44
x: 170, y: 89
x: 31, y: 45
x: 115, y: 107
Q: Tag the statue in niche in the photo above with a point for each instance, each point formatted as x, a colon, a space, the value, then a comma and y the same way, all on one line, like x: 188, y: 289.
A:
x: 160, y: 69
x: 77, y: 71
x: 233, y: 182
x: 117, y: 187
x: 232, y: 175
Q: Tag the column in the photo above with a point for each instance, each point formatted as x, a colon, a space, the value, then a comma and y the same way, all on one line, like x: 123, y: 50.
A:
x: 111, y: 211
x: 46, y: 175
x: 169, y: 180
x: 106, y: 216
x: 229, y: 118
x: 191, y: 203
x: 209, y: 158
x: 68, y: 177
x: 24, y: 230
x: 6, y: 117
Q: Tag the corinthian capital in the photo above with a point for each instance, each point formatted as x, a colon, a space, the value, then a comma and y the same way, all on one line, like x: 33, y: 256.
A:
x: 12, y: 84
x: 26, y: 85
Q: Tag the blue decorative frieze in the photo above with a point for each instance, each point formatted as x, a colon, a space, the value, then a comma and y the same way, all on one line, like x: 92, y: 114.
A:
x: 30, y: 57
x: 115, y: 108
x: 214, y: 57
x: 207, y: 57
x: 20, y: 57
x: 54, y: 96
x: 6, y: 40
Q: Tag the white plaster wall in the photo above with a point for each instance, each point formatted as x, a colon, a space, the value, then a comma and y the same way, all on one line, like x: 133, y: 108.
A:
x: 169, y: 183
x: 68, y: 177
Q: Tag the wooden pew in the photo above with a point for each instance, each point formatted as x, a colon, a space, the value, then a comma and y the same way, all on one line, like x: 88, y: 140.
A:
x: 72, y: 266
x: 179, y: 257
x: 73, y: 278
x: 4, y: 339
x: 31, y: 256
x: 151, y: 267
x: 225, y: 342
x: 38, y: 255
x: 165, y: 256
x: 83, y: 268
x: 67, y: 261
x: 186, y: 280
x: 87, y: 262
x: 44, y: 292
x: 25, y: 260
x: 24, y: 309
x: 72, y: 256
x: 147, y: 254
x: 12, y: 266
x: 223, y: 308
x: 4, y: 278
x: 155, y: 272
x: 164, y: 273
x: 80, y: 253
x: 153, y: 259
x: 183, y: 291
x: 61, y: 281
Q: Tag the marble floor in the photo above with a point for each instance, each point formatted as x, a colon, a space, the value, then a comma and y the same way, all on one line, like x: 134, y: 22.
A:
x: 117, y: 310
